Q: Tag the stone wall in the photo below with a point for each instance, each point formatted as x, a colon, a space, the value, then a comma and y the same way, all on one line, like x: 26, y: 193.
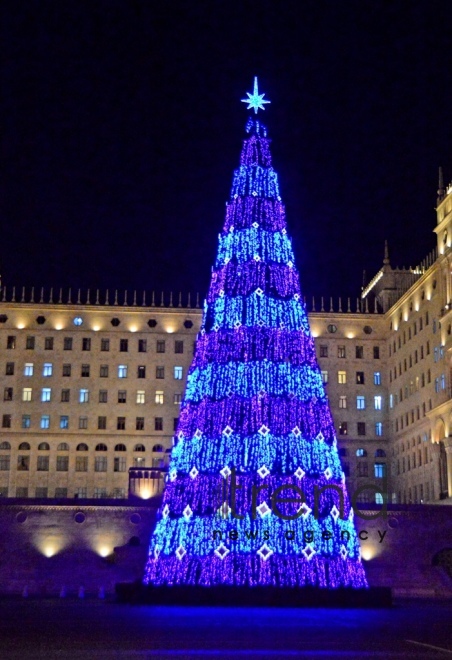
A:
x: 47, y: 547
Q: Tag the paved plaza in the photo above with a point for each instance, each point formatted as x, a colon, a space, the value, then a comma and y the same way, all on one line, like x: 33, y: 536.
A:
x: 90, y: 629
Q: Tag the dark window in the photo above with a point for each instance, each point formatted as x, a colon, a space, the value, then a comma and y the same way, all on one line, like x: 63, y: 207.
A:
x: 11, y: 342
x: 103, y: 396
x: 175, y: 423
x: 121, y: 423
x: 104, y: 344
x: 102, y: 423
x: 123, y: 345
x: 85, y: 370
x: 323, y: 351
x: 48, y: 344
x: 9, y: 371
x: 141, y: 372
x: 158, y: 423
x: 30, y: 343
x: 361, y: 428
x: 60, y: 492
x: 43, y: 464
x: 188, y: 324
x: 86, y: 344
x: 6, y: 421
x: 160, y: 345
x: 341, y: 352
x: 40, y: 320
x: 115, y: 322
x: 8, y: 394
x: 3, y: 318
x: 360, y: 377
x: 343, y: 428
x: 139, y: 425
x: 103, y: 371
x: 122, y: 396
x: 359, y: 351
x: 23, y: 463
x: 142, y: 346
x: 152, y: 323
x: 160, y: 372
x: 67, y: 344
x: 178, y: 346
x: 65, y: 395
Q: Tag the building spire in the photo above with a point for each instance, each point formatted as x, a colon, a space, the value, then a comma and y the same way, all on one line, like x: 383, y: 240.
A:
x: 441, y: 190
x: 386, y: 254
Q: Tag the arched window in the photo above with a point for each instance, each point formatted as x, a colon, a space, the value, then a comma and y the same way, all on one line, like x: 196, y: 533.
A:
x: 139, y: 448
x: 380, y: 453
x: 378, y: 498
x: 24, y: 446
x: 101, y: 447
x: 361, y: 452
x: 5, y: 445
x: 44, y: 446
x: 63, y: 446
x: 158, y: 448
x: 82, y: 447
x: 120, y: 448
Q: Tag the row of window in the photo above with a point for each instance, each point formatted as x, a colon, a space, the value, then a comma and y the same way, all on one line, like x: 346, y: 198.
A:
x: 342, y: 353
x: 361, y: 402
x: 419, y: 493
x: 417, y: 324
x: 83, y: 396
x: 85, y: 370
x: 359, y: 377
x: 80, y: 492
x: 120, y: 425
x: 100, y: 463
x: 414, y: 461
x: 362, y: 470
x: 413, y: 359
x: 414, y: 414
x: 68, y: 344
x: 360, y: 428
x: 82, y: 446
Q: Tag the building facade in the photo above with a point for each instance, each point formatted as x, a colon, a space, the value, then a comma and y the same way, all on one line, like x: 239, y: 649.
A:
x: 91, y: 389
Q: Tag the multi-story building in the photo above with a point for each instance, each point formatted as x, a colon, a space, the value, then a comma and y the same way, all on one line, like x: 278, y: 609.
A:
x: 93, y: 389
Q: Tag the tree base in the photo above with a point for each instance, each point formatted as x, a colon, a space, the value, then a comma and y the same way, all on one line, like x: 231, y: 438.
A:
x: 231, y: 596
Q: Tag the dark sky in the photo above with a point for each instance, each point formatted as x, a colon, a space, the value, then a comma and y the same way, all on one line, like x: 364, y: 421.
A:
x: 121, y: 124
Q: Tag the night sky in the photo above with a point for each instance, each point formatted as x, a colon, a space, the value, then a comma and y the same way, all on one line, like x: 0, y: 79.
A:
x: 121, y: 124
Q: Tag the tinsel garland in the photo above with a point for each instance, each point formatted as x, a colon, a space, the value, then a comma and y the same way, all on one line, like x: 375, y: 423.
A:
x: 252, y: 452
x: 244, y: 212
x: 254, y: 344
x: 282, y: 416
x: 254, y: 244
x: 233, y: 279
x: 255, y: 311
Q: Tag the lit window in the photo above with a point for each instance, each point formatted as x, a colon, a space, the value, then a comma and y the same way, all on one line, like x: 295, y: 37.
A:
x: 361, y: 453
x: 436, y: 384
x: 122, y: 371
x: 379, y: 470
x: 26, y: 394
x: 443, y: 381
x: 159, y: 397
x: 64, y: 422
x: 47, y: 369
x: 324, y: 377
x: 46, y: 394
x: 83, y: 396
x: 28, y: 369
x: 26, y: 421
x: 342, y: 377
x: 379, y: 428
x: 341, y: 352
x: 378, y: 498
x: 378, y: 402
x: 140, y: 396
x: 391, y: 401
x: 78, y: 320
x: 178, y: 373
x: 45, y: 421
x: 360, y: 402
x: 342, y: 402
x: 377, y: 378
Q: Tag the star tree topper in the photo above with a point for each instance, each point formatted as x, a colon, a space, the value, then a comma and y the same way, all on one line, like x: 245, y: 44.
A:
x: 255, y: 100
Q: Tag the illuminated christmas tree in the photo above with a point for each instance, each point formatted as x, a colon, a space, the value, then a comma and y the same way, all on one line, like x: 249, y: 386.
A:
x: 255, y: 493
